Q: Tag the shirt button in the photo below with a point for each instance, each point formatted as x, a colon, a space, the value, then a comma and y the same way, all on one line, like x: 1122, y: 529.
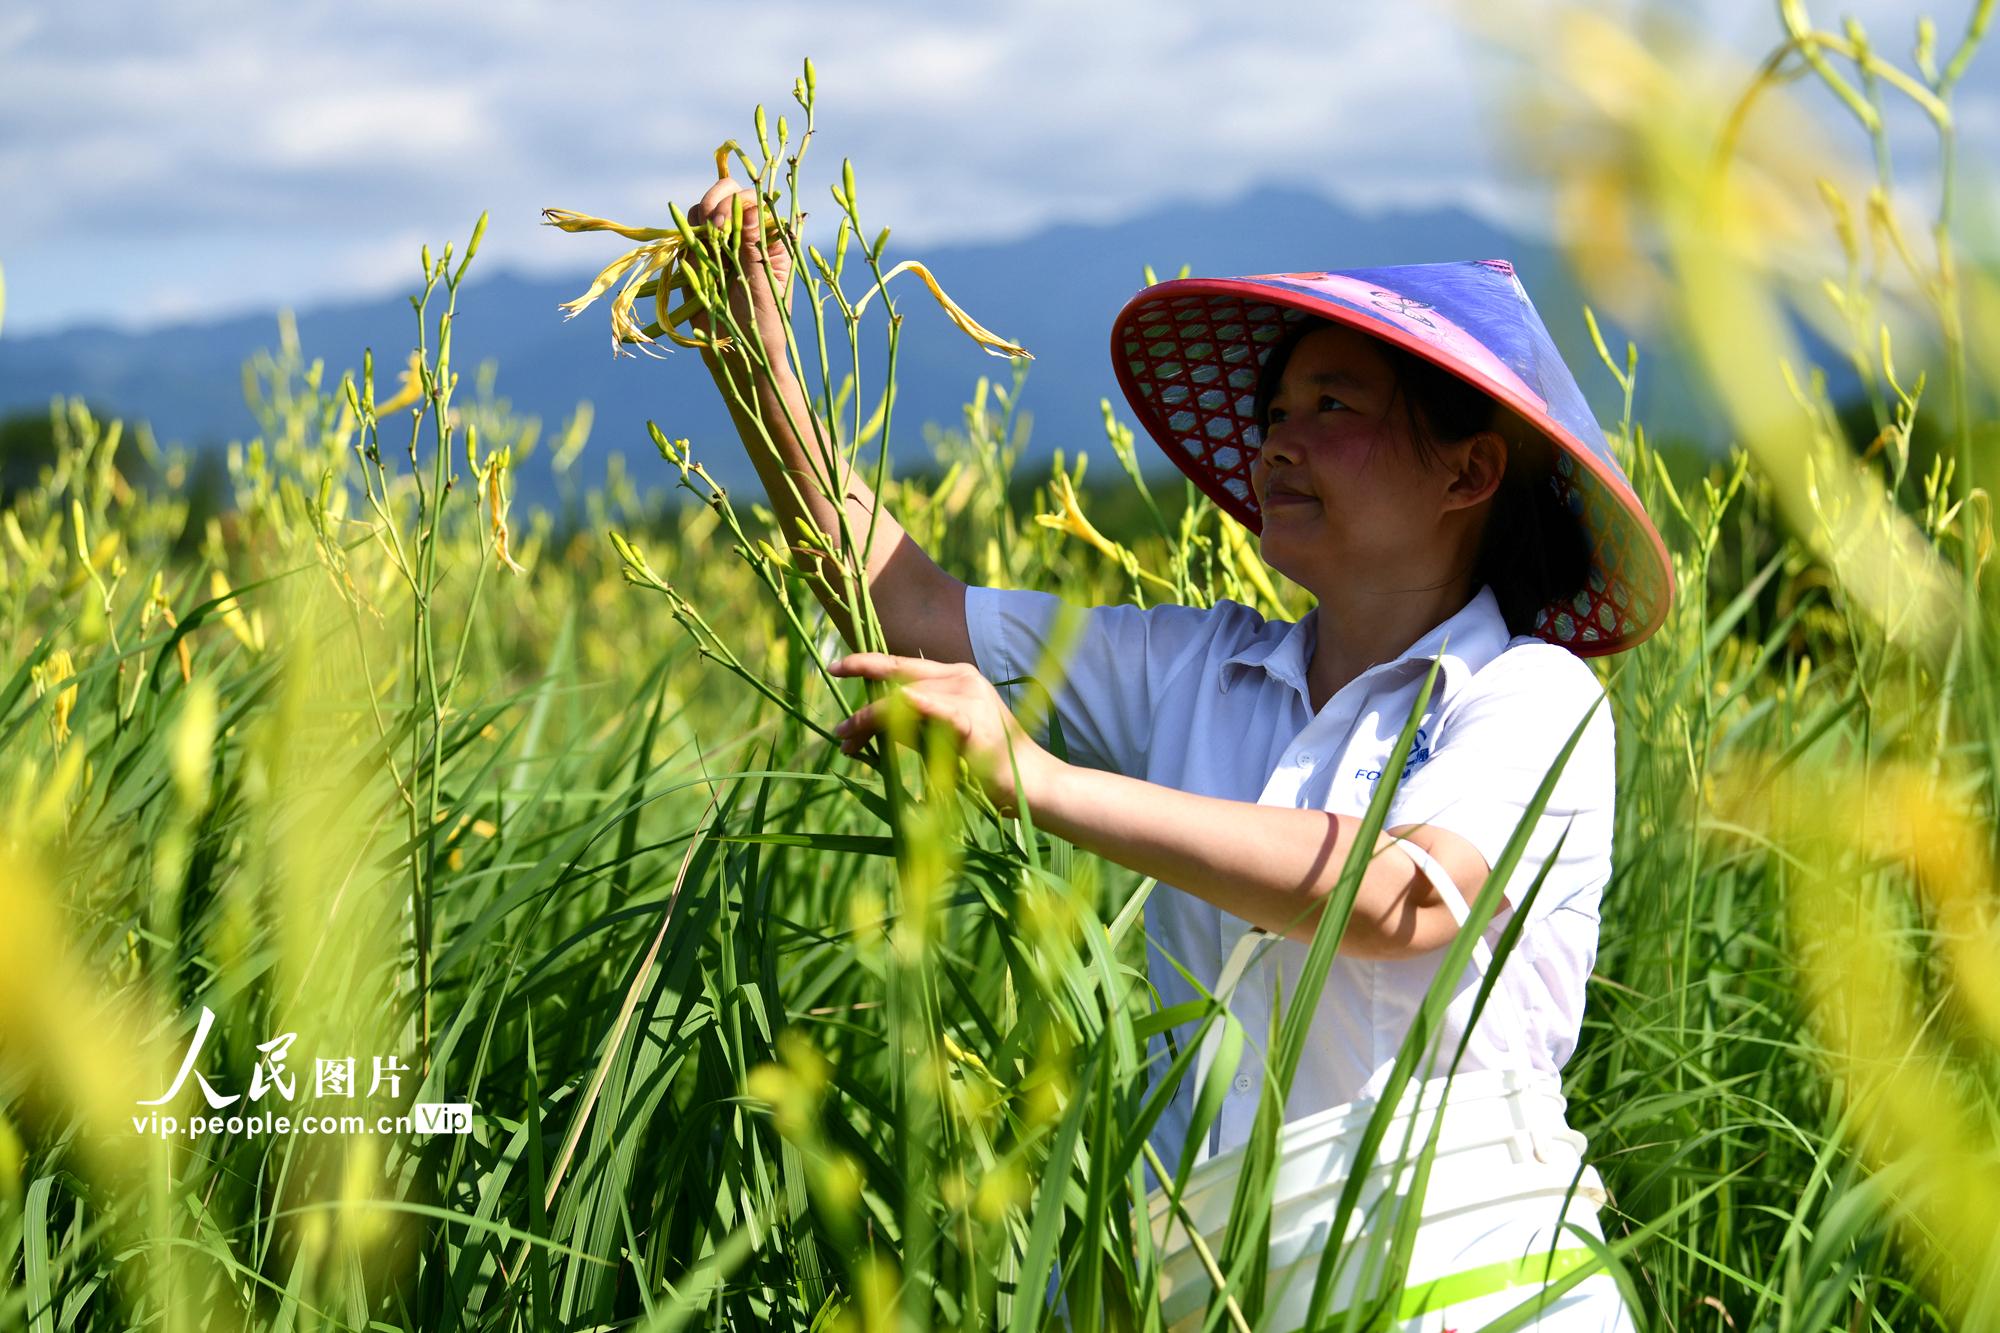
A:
x: 1243, y: 1083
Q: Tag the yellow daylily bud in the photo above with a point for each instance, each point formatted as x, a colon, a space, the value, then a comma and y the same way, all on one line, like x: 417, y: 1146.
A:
x: 194, y: 746
x: 250, y: 636
x: 12, y: 527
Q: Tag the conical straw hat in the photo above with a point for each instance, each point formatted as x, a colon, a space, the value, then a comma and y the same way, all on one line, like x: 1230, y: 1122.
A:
x: 1188, y: 353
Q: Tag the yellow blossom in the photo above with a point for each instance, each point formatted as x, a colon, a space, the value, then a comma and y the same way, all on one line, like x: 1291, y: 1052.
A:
x: 1069, y: 518
x: 58, y: 668
x: 409, y: 386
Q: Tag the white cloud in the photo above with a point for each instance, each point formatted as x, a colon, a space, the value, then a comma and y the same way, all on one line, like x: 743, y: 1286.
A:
x: 370, y: 128
x: 172, y: 302
x: 375, y: 262
x: 329, y: 141
x: 16, y: 28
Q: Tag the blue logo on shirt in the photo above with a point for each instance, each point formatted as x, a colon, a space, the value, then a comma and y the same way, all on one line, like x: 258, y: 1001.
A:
x: 1420, y: 750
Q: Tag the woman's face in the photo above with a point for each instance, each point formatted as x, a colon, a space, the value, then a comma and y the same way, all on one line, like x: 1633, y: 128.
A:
x: 1337, y: 478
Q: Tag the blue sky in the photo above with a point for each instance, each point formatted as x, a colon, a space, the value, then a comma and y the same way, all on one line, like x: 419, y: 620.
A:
x: 195, y: 158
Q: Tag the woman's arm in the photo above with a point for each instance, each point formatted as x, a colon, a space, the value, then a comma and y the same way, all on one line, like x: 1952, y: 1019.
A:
x: 921, y: 607
x: 1269, y: 865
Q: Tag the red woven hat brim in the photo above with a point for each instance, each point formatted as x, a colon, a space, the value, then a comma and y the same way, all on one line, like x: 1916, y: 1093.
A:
x: 1188, y: 353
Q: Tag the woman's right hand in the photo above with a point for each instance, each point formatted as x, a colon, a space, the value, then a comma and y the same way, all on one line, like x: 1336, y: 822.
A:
x: 757, y: 297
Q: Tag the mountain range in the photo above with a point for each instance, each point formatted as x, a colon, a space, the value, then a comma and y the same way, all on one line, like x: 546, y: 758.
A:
x: 1054, y: 291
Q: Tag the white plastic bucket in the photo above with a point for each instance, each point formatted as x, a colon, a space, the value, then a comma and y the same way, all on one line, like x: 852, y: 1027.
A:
x: 1491, y: 1215
x: 1507, y: 1175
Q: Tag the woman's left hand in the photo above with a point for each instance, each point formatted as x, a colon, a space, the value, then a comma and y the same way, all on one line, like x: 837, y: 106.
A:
x: 956, y: 696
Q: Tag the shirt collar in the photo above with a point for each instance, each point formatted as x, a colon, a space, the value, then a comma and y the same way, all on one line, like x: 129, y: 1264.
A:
x: 1471, y: 637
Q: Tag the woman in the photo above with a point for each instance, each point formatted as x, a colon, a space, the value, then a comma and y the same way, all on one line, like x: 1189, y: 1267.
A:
x: 1444, y: 496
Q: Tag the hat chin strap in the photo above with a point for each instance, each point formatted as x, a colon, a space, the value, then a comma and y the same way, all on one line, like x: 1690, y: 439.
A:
x: 1240, y: 956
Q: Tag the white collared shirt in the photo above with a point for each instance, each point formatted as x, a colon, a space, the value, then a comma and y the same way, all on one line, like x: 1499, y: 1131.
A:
x: 1215, y: 702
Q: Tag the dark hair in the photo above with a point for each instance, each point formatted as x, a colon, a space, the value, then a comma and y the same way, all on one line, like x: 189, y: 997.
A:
x: 1533, y: 550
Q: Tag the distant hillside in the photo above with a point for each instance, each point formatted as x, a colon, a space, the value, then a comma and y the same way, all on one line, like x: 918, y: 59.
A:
x: 1055, y: 292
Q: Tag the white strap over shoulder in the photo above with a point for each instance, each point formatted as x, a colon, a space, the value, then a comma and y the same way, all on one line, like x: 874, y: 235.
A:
x: 1454, y: 901
x: 1225, y: 986
x: 1246, y: 945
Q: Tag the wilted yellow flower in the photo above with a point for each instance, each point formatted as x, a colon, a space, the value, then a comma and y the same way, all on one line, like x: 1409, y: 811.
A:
x: 578, y: 222
x: 662, y: 259
x: 994, y: 344
x: 656, y: 258
x: 649, y: 261
x: 496, y: 500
